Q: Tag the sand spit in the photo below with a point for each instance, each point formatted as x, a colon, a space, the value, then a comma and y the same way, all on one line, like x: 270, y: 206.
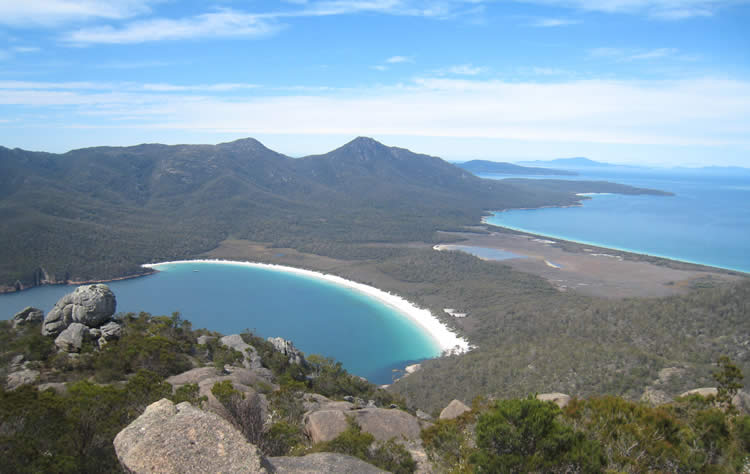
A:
x: 447, y: 341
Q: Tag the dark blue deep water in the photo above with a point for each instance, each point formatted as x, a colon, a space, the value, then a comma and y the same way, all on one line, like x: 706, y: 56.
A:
x: 706, y: 222
x: 368, y: 337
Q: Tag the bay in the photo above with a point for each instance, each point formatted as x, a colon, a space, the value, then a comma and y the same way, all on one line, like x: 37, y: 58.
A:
x: 707, y: 221
x: 368, y: 337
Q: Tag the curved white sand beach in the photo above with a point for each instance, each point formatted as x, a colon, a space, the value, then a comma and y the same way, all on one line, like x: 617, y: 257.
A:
x: 447, y: 341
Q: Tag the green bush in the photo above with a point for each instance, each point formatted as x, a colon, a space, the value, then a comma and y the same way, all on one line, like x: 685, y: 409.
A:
x: 526, y: 435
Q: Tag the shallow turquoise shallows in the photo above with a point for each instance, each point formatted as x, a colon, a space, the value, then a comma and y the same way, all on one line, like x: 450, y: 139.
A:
x: 368, y: 337
x: 707, y: 221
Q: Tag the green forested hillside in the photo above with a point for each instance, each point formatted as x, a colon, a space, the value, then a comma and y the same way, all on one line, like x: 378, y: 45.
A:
x: 532, y: 338
x: 99, y: 213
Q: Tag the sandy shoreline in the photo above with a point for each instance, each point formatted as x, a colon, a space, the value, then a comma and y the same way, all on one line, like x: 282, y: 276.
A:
x: 447, y: 341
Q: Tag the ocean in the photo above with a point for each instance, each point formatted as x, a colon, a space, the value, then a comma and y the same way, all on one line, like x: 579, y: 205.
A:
x: 368, y: 337
x: 707, y: 221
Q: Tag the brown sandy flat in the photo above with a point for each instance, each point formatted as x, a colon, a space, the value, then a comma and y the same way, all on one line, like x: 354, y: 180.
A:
x: 596, y: 271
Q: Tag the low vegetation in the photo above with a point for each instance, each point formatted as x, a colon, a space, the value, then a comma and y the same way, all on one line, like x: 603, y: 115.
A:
x: 71, y: 429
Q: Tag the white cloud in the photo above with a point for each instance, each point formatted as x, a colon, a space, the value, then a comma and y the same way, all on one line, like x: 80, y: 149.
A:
x: 697, y: 112
x: 236, y: 23
x: 54, y: 12
x: 26, y: 49
x: 379, y: 67
x: 653, y: 54
x: 623, y: 55
x: 661, y: 9
x: 399, y: 59
x: 424, y: 8
x: 461, y: 70
x: 225, y: 23
x: 553, y: 22
x: 221, y: 87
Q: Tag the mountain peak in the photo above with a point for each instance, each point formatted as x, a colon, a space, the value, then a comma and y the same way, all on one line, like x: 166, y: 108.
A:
x: 245, y: 144
x: 363, y: 143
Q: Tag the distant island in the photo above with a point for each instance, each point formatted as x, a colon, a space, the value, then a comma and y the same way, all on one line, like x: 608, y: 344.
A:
x: 576, y: 162
x: 484, y: 166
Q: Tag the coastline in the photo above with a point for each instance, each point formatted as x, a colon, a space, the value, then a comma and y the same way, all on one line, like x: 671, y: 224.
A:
x: 10, y: 289
x: 448, y: 342
x: 613, y: 248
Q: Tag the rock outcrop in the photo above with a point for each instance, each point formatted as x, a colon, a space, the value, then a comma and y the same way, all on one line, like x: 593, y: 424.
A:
x: 703, y: 392
x: 288, y: 349
x: 85, y: 313
x: 91, y: 305
x: 21, y: 377
x: 454, y: 409
x: 28, y: 315
x: 655, y: 397
x: 182, y: 438
x: 324, y: 425
x: 559, y: 399
x: 71, y: 338
x: 331, y: 463
x: 382, y: 423
x: 251, y: 357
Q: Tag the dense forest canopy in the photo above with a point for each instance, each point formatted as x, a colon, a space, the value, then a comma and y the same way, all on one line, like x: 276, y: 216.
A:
x: 98, y: 213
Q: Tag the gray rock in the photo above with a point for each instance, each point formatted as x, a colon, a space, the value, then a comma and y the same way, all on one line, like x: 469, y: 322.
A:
x: 559, y: 399
x: 22, y: 377
x: 332, y: 463
x: 71, y: 339
x: 324, y: 425
x: 316, y: 402
x: 28, y: 315
x: 740, y: 401
x: 111, y: 331
x: 170, y: 438
x: 288, y: 349
x: 202, y: 340
x: 454, y: 409
x: 192, y: 376
x: 16, y: 363
x: 252, y: 359
x: 95, y: 333
x: 58, y: 387
x: 382, y: 423
x: 703, y: 392
x: 91, y: 305
x: 423, y: 415
x: 385, y: 424
x: 655, y: 397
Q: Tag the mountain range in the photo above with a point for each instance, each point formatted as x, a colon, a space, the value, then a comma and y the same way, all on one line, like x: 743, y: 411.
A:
x: 98, y: 213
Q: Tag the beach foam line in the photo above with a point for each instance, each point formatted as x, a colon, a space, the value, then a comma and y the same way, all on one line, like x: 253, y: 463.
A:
x: 445, y: 339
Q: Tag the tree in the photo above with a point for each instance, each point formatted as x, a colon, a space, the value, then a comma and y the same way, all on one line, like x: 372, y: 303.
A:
x: 526, y: 435
x: 729, y: 379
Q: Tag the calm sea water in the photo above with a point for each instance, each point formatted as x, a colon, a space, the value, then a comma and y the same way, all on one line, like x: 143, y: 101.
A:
x: 369, y: 338
x: 706, y: 222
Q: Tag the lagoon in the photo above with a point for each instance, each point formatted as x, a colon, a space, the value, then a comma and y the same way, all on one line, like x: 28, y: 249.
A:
x: 369, y: 337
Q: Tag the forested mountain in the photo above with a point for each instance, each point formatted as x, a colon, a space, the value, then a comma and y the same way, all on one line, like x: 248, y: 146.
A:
x: 98, y: 213
x: 484, y: 166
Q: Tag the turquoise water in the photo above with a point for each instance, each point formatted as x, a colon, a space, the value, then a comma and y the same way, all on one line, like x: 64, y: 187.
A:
x: 484, y: 252
x: 706, y: 222
x: 368, y: 337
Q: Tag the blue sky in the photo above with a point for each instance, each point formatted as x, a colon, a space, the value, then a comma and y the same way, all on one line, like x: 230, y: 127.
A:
x: 659, y: 82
